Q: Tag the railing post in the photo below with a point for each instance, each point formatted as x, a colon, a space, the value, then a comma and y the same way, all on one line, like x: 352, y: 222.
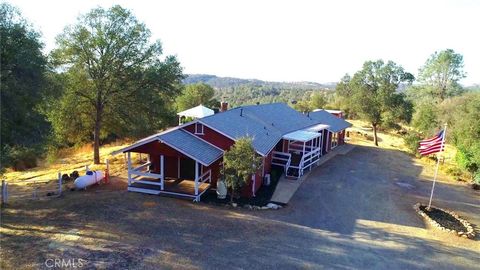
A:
x: 129, y: 168
x: 4, y: 192
x: 59, y: 183
x: 196, y: 177
x: 162, y: 171
x: 107, y: 171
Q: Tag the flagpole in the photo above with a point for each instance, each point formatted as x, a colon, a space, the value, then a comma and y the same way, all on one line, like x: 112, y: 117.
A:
x: 438, y: 163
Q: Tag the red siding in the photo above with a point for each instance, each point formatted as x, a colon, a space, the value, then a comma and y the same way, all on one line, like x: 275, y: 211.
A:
x: 268, y: 162
x: 341, y: 137
x: 171, y: 167
x: 155, y: 149
x: 247, y: 191
x: 215, y: 167
x: 212, y: 137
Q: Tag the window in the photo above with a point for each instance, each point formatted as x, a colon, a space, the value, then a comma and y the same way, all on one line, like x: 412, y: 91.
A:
x: 198, y: 129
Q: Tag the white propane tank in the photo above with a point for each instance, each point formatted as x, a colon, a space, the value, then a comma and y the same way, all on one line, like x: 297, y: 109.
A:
x: 221, y: 190
x: 89, y: 179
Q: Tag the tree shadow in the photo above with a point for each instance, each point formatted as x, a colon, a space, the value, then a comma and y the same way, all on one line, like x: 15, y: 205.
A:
x: 329, y: 224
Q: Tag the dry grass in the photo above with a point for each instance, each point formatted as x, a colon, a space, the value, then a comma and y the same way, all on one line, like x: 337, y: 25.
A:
x: 69, y: 160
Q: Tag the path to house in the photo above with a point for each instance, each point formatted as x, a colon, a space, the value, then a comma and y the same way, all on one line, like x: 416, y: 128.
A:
x: 286, y: 188
x: 353, y: 212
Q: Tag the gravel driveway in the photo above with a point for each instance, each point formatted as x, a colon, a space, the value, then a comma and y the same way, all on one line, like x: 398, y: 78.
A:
x: 353, y: 212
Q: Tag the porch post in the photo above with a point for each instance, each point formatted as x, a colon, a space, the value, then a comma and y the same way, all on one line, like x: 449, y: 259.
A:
x: 304, y: 148
x: 254, y: 180
x: 129, y: 166
x: 149, y: 167
x: 320, y: 143
x: 328, y: 142
x: 196, y: 177
x: 162, y: 170
x: 178, y: 168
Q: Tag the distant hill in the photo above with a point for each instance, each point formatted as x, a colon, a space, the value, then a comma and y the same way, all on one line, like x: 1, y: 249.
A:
x: 473, y: 88
x: 223, y: 82
x: 250, y: 91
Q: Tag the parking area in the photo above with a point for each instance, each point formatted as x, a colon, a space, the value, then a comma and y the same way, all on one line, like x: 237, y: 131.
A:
x: 354, y: 211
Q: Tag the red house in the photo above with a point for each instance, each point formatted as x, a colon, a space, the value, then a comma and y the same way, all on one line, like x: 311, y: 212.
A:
x: 186, y: 160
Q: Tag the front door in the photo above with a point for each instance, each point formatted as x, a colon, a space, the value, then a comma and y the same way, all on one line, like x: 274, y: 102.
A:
x: 187, y: 168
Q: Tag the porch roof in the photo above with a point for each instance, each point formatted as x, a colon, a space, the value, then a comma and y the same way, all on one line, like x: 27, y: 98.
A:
x: 197, y: 112
x: 302, y: 135
x: 318, y: 127
x: 336, y: 124
x: 191, y: 146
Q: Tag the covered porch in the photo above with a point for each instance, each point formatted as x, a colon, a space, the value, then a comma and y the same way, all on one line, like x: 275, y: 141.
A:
x: 177, y: 164
x: 301, y: 150
x: 145, y: 179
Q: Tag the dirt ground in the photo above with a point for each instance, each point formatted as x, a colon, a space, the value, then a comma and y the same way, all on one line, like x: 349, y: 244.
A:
x: 353, y: 212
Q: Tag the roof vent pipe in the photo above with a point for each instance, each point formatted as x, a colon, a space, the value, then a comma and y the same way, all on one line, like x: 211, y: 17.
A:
x: 241, y: 111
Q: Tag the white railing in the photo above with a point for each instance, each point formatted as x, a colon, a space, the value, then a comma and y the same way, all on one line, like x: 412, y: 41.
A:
x: 309, y: 158
x: 298, y: 147
x: 138, y: 172
x: 306, y: 162
x: 142, y: 166
x: 205, y: 177
x: 282, y: 159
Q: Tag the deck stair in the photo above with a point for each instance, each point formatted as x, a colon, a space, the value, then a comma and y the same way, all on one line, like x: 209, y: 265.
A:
x: 295, y: 164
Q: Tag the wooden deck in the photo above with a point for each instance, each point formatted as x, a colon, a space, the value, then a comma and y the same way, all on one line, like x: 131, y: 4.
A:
x: 173, y: 186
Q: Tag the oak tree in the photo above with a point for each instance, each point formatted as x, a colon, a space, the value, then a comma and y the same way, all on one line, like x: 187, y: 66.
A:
x: 116, y: 76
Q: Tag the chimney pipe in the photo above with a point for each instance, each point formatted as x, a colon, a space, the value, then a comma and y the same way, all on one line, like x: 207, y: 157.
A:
x: 223, y: 106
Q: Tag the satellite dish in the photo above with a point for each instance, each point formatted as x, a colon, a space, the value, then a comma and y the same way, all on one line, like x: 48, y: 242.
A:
x: 294, y: 102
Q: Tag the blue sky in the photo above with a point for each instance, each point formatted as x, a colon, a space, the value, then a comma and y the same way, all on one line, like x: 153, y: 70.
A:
x: 289, y: 40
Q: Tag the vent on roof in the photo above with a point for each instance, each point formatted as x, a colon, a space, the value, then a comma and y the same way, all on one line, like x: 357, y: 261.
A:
x: 241, y: 111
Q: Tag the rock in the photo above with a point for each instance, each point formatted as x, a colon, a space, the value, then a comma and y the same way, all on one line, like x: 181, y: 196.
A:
x: 272, y: 206
x: 264, y: 208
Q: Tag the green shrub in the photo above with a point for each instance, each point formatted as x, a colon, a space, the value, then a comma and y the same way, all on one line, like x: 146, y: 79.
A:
x: 476, y: 178
x: 456, y: 172
x: 412, y: 140
x: 19, y: 157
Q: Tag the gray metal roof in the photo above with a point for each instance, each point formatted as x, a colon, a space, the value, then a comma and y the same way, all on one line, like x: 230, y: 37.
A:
x: 336, y: 124
x: 235, y: 126
x: 280, y: 116
x: 191, y: 146
x: 265, y: 123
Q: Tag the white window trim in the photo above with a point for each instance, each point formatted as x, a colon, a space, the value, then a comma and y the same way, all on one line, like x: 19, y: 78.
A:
x: 197, y: 129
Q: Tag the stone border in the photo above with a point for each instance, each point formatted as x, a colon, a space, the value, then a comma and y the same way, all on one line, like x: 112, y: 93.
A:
x: 269, y: 206
x: 470, y: 231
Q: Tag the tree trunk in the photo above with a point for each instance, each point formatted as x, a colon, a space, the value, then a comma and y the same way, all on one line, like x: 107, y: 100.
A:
x: 96, y: 135
x: 375, y: 139
x: 231, y: 195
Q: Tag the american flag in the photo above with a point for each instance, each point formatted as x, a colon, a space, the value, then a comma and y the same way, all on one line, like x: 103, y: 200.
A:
x: 432, y: 145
